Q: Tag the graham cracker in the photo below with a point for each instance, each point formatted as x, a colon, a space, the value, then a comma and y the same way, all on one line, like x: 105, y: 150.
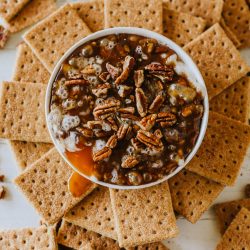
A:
x: 182, y: 28
x: 28, y: 68
x: 227, y: 211
x: 141, y: 13
x: 234, y: 102
x: 95, y: 213
x: 22, y: 112
x: 230, y: 33
x: 237, y: 235
x: 144, y: 215
x: 92, y: 13
x: 218, y: 60
x: 27, y: 153
x: 29, y: 238
x: 77, y: 237
x: 192, y: 194
x: 210, y: 10
x: 52, y: 37
x: 236, y: 14
x: 9, y: 8
x: 223, y: 150
x: 45, y: 185
x: 33, y: 12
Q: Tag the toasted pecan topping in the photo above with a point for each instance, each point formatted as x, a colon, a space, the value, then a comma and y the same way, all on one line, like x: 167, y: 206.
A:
x: 141, y: 102
x: 166, y: 119
x: 150, y: 140
x: 102, y: 154
x: 129, y: 162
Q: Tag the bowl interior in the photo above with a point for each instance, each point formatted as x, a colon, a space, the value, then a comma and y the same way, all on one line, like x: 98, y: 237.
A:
x: 193, y: 70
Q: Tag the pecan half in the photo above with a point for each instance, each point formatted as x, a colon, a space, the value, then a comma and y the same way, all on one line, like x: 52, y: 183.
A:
x: 129, y: 161
x: 112, y: 123
x: 102, y: 154
x: 112, y: 70
x: 148, y: 122
x: 124, y: 131
x: 124, y: 90
x: 74, y: 74
x: 150, y: 140
x: 104, y: 76
x: 76, y: 82
x: 166, y: 119
x: 156, y: 104
x: 101, y: 90
x: 138, y: 146
x: 130, y: 117
x: 112, y: 142
x: 139, y: 78
x: 127, y: 110
x: 141, y: 102
x: 164, y: 72
x: 106, y: 109
x: 86, y: 132
x: 128, y: 65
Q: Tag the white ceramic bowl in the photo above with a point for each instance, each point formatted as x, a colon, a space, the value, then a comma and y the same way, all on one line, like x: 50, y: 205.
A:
x: 199, y: 84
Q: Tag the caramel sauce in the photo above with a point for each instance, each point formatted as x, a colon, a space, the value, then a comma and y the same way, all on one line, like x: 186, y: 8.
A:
x: 78, y: 185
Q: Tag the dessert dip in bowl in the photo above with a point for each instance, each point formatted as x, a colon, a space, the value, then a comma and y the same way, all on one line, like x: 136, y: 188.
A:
x: 126, y: 108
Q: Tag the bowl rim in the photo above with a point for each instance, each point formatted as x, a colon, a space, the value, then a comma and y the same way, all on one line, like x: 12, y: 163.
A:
x: 184, y: 57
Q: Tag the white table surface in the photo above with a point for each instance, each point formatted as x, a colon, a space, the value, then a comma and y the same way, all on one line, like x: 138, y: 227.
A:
x: 16, y: 212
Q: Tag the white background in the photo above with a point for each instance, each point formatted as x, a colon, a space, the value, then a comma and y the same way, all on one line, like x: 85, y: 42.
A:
x: 16, y: 212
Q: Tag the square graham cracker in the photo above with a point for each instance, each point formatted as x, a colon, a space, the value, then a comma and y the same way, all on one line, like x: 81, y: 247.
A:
x: 236, y: 14
x: 28, y: 68
x: 9, y: 8
x: 227, y: 211
x: 222, y: 151
x: 192, y: 194
x: 27, y: 153
x: 234, y: 102
x: 77, y: 237
x: 53, y: 36
x: 22, y: 112
x: 218, y: 59
x: 92, y: 13
x: 95, y: 213
x: 45, y: 185
x: 141, y: 13
x: 182, y: 28
x: 144, y: 215
x: 210, y: 10
x: 237, y: 235
x: 33, y: 12
x: 29, y: 238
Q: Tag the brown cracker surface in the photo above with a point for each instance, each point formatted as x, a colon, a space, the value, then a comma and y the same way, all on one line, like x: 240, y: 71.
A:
x: 182, y: 28
x: 192, y: 194
x: 222, y: 151
x: 22, y: 113
x: 53, y: 36
x: 42, y: 238
x: 210, y: 10
x: 95, y: 213
x: 45, y: 185
x: 144, y: 215
x: 27, y: 153
x: 218, y: 60
x: 236, y: 14
x: 33, y: 12
x: 9, y: 8
x: 28, y: 68
x: 92, y: 13
x: 234, y: 102
x: 140, y: 13
x: 237, y: 235
x: 227, y: 211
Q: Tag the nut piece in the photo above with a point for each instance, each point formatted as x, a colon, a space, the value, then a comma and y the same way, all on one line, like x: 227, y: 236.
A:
x: 150, y: 140
x: 139, y: 78
x: 112, y: 142
x: 138, y: 146
x: 76, y: 82
x: 124, y: 90
x: 112, y: 123
x: 127, y: 110
x: 86, y: 132
x: 158, y: 133
x: 148, y: 122
x: 112, y: 70
x: 141, y: 102
x: 156, y: 104
x: 101, y: 90
x: 124, y: 131
x: 2, y: 192
x: 164, y: 72
x: 88, y: 70
x: 166, y: 119
x: 135, y: 178
x: 104, y: 76
x: 129, y: 161
x: 102, y: 154
x: 127, y: 67
x: 106, y: 109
